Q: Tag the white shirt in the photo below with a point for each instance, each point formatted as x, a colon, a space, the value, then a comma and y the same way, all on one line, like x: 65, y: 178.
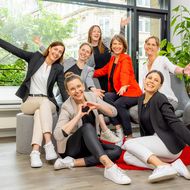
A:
x: 162, y: 64
x: 39, y: 80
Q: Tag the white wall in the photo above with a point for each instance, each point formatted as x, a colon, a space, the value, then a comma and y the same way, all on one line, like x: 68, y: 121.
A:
x: 175, y: 3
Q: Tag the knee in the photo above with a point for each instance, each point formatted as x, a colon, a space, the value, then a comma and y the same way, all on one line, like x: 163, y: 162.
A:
x: 87, y: 128
x: 128, y: 145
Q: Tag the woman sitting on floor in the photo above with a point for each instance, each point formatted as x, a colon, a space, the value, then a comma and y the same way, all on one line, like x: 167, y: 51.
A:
x: 163, y: 135
x: 77, y: 128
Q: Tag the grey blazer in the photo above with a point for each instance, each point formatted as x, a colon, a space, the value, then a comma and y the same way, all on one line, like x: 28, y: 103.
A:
x: 69, y: 111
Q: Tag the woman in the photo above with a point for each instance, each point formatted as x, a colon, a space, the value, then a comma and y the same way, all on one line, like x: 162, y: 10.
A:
x: 163, y: 135
x: 36, y: 92
x: 77, y: 128
x: 162, y: 64
x: 122, y: 86
x: 101, y: 53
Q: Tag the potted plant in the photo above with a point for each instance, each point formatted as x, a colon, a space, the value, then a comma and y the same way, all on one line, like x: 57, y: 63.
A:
x: 179, y: 55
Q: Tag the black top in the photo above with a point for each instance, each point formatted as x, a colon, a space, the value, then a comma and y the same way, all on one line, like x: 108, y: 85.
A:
x: 89, y: 118
x: 111, y: 77
x: 75, y: 69
x: 167, y: 126
x: 100, y: 61
x: 145, y: 119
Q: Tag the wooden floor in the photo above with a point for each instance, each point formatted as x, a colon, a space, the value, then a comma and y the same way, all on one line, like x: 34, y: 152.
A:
x: 16, y: 174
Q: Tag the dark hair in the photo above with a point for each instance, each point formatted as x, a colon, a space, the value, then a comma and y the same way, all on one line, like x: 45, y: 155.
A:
x: 70, y: 76
x: 53, y: 44
x: 101, y: 46
x: 159, y: 73
x: 121, y: 39
x: 155, y: 38
x: 88, y: 44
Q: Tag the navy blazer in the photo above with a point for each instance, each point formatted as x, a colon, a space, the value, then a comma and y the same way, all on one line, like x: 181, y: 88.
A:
x: 167, y: 126
x: 35, y: 60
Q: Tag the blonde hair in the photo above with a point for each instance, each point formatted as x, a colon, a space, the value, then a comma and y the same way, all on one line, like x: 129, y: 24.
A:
x: 88, y: 44
x: 101, y: 45
x: 155, y: 38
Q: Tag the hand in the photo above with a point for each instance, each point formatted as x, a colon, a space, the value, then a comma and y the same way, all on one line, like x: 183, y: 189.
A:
x: 37, y: 40
x: 122, y: 90
x: 125, y: 21
x: 91, y: 105
x: 98, y: 92
x: 187, y: 70
x: 83, y: 110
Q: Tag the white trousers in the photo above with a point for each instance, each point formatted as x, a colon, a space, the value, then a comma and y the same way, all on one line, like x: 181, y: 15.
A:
x: 140, y: 149
x: 42, y: 108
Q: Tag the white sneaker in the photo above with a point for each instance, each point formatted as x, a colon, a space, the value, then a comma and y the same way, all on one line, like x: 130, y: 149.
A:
x: 67, y: 162
x: 116, y: 175
x: 181, y: 169
x: 50, y: 151
x: 162, y: 173
x: 109, y: 136
x: 35, y: 160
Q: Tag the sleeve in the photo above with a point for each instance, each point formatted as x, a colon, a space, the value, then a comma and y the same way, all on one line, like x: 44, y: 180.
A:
x: 64, y: 118
x: 171, y: 67
x: 42, y: 48
x: 126, y: 71
x: 16, y: 51
x: 89, y: 78
x: 101, y: 72
x: 173, y: 122
x: 60, y: 83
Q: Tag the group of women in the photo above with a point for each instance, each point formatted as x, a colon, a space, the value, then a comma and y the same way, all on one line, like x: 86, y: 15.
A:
x: 163, y: 135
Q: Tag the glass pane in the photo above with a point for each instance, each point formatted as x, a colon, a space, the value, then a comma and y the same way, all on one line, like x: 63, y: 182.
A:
x: 157, y: 4
x: 124, y: 2
x: 147, y: 27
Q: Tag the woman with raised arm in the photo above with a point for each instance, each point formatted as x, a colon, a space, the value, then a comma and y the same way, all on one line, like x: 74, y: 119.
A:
x: 36, y: 91
x: 76, y: 132
x: 163, y: 135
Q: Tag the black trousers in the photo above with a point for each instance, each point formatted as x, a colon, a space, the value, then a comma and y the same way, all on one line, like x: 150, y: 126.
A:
x: 122, y: 104
x: 84, y: 143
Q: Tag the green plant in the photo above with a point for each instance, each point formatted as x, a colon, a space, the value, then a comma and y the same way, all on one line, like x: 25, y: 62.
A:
x: 179, y: 55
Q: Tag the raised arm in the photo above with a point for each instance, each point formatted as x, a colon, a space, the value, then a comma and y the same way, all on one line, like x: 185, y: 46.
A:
x: 16, y: 51
x: 37, y: 40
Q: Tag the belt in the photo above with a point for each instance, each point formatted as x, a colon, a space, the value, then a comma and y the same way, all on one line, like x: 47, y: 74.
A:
x: 37, y: 95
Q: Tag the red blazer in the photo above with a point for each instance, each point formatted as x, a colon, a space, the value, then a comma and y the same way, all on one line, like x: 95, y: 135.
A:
x: 123, y: 75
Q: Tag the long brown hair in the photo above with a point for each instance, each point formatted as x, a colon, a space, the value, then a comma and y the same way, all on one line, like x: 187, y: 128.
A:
x: 101, y: 46
x: 53, y: 44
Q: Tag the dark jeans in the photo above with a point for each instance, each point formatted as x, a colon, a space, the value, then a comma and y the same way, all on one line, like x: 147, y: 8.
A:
x: 122, y: 104
x: 84, y: 143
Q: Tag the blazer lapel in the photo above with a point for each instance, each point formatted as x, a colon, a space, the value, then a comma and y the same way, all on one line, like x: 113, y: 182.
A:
x: 140, y: 103
x: 51, y: 74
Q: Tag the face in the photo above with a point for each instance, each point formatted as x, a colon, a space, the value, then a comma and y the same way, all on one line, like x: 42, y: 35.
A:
x: 55, y: 52
x: 152, y: 83
x: 151, y: 47
x: 84, y: 53
x: 75, y: 89
x: 117, y: 47
x: 96, y: 33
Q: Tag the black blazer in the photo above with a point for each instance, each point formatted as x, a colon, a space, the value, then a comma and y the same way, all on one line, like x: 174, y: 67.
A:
x: 35, y: 60
x: 166, y: 125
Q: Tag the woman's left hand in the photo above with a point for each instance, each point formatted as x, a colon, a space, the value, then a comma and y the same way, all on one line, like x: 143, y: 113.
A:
x: 122, y: 90
x: 187, y: 70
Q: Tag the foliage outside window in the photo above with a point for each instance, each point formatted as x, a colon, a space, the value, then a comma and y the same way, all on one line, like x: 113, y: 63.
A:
x: 20, y: 31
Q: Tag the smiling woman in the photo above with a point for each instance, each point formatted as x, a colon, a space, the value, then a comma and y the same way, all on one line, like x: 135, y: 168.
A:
x: 36, y: 91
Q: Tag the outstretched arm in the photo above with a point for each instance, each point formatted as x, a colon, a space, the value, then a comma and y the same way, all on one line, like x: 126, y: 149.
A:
x: 15, y: 50
x: 37, y: 40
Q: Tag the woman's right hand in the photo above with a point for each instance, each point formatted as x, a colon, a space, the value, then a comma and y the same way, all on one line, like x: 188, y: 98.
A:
x: 37, y: 40
x: 98, y: 92
x: 83, y: 110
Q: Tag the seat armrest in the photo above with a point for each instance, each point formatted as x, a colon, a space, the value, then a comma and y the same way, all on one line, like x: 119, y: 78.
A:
x: 186, y: 114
